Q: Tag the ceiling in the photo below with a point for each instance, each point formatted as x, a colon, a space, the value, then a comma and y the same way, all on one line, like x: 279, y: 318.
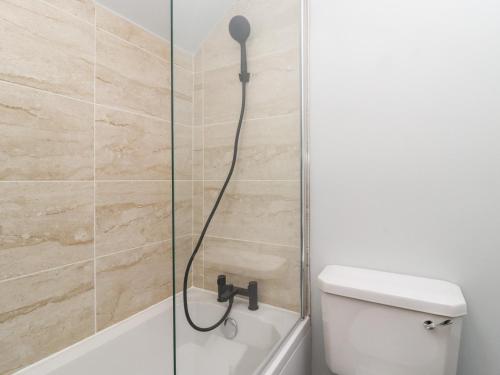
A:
x: 193, y: 19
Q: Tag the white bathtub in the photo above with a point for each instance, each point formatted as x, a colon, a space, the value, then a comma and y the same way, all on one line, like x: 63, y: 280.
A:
x: 270, y: 341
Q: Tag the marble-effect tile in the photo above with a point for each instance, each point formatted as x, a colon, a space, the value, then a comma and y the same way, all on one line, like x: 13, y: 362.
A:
x: 183, y: 208
x: 45, y: 48
x: 184, y: 96
x: 48, y: 173
x: 130, y: 214
x: 198, y: 150
x: 256, y: 231
x: 49, y: 224
x: 131, y: 281
x: 150, y: 269
x: 131, y: 147
x: 84, y: 9
x: 273, y: 90
x: 109, y: 21
x: 275, y: 27
x: 44, y: 136
x: 275, y: 268
x: 44, y: 313
x: 269, y: 149
x: 260, y: 211
x: 183, y: 149
x: 123, y: 82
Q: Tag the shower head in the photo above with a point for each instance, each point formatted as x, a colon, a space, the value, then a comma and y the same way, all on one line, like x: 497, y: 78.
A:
x: 239, y: 28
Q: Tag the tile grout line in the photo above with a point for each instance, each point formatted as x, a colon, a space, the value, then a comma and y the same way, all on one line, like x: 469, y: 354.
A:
x: 202, y: 63
x: 31, y: 274
x: 139, y: 114
x: 126, y: 19
x: 133, y: 181
x: 256, y: 57
x: 154, y: 243
x: 147, y: 31
x: 193, y: 109
x: 248, y: 180
x: 251, y: 119
x: 165, y: 40
x: 161, y: 40
x: 92, y: 102
x: 95, y: 172
x: 87, y: 260
x: 68, y: 13
x: 131, y: 44
x: 23, y: 86
x: 252, y: 241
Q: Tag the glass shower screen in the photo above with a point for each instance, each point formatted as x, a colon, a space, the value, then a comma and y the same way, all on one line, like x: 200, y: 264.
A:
x: 236, y: 124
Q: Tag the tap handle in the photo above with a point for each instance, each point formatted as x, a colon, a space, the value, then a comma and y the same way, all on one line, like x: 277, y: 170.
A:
x: 221, y: 287
x: 253, y: 296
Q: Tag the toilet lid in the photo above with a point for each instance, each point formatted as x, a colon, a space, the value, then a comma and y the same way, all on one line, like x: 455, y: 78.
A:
x: 408, y: 292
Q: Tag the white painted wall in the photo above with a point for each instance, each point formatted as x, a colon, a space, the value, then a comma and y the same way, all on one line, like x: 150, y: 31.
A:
x: 405, y: 127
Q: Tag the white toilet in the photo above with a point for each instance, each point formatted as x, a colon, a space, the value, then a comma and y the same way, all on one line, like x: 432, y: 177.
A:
x: 379, y: 323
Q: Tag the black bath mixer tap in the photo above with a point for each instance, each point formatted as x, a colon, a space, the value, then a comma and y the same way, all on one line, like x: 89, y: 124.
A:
x: 228, y: 291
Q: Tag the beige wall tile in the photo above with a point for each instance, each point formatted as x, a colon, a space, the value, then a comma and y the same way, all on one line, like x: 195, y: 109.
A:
x: 123, y: 28
x: 84, y: 9
x: 198, y: 223
x: 197, y: 207
x: 183, y: 208
x: 45, y: 48
x: 130, y: 146
x: 44, y: 225
x: 273, y: 90
x: 130, y: 214
x: 269, y: 149
x: 130, y: 78
x: 44, y: 136
x: 198, y: 153
x: 184, y: 83
x: 261, y: 211
x: 198, y: 266
x: 183, y: 110
x: 266, y: 209
x: 44, y: 313
x: 183, y: 59
x: 183, y: 147
x: 275, y: 268
x: 198, y: 61
x: 131, y: 281
x: 198, y: 100
x: 184, y: 92
x: 197, y: 227
x: 275, y: 27
x: 183, y: 250
x: 151, y: 270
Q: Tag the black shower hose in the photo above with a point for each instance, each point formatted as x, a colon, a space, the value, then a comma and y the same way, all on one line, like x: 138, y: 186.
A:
x: 207, y: 223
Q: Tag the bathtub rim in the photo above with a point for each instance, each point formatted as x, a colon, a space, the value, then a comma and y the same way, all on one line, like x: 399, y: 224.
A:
x: 274, y: 361
x: 286, y: 348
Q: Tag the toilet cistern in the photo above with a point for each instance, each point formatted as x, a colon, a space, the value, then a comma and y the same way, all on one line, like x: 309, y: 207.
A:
x: 380, y: 323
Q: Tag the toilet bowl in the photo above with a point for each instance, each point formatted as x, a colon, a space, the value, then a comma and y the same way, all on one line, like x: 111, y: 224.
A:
x: 379, y: 323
